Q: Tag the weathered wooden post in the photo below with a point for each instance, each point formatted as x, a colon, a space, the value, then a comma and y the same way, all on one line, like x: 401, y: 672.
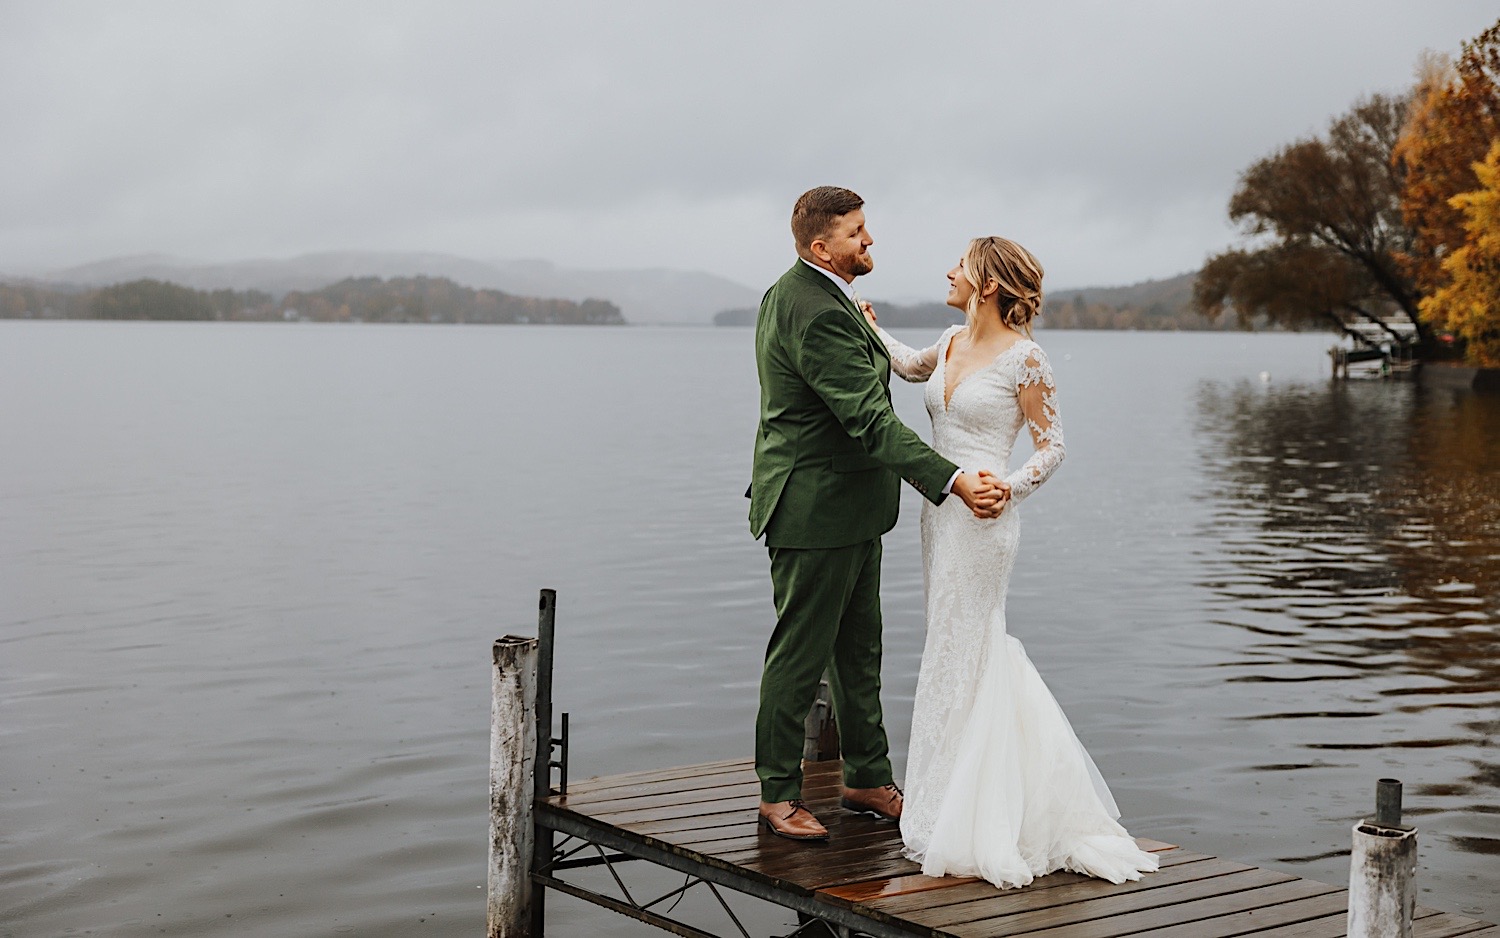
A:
x: 512, y: 787
x: 541, y: 856
x: 820, y: 731
x: 1383, y: 870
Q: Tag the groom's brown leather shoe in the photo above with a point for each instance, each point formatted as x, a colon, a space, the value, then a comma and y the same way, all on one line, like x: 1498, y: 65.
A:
x: 884, y: 802
x: 792, y: 820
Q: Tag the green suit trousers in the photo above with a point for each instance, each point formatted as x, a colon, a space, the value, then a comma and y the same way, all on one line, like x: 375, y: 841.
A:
x: 827, y: 617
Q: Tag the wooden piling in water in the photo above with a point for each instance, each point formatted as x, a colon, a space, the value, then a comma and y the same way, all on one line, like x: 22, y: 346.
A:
x: 513, y: 789
x: 1383, y: 870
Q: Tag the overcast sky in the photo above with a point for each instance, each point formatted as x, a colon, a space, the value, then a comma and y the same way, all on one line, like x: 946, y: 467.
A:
x: 1107, y: 137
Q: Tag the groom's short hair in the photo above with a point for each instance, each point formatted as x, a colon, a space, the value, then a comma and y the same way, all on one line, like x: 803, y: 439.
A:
x: 815, y: 211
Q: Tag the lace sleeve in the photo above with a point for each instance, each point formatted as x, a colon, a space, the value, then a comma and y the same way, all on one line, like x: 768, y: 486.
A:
x: 907, y: 362
x: 1037, y: 395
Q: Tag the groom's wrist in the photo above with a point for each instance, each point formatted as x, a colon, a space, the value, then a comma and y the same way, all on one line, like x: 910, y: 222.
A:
x: 948, y: 489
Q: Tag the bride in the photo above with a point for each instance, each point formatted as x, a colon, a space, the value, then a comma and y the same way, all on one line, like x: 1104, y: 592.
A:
x: 998, y: 785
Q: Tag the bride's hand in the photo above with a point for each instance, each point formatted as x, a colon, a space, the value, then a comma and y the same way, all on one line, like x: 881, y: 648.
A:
x: 981, y: 493
x: 996, y: 486
x: 989, y: 478
x: 869, y: 311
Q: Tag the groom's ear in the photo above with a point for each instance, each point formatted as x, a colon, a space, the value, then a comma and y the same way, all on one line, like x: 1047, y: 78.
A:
x: 819, y: 249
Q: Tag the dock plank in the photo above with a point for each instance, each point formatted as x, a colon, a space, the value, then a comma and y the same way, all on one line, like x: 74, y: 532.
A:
x: 824, y: 863
x: 1258, y: 921
x: 818, y: 783
x: 597, y: 782
x: 625, y: 817
x: 978, y: 889
x: 658, y: 795
x: 1446, y: 925
x: 816, y: 795
x: 1083, y: 892
x: 746, y: 848
x: 1093, y: 903
x: 1329, y: 926
x: 873, y: 890
x: 697, y: 822
x: 1193, y: 910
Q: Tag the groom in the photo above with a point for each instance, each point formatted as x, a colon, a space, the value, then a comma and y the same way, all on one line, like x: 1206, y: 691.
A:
x: 825, y: 486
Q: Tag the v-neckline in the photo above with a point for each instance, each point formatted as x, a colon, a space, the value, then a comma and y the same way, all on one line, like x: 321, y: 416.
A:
x: 948, y: 349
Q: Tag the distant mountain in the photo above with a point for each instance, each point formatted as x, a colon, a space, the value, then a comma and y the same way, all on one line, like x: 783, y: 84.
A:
x: 643, y: 296
x: 1171, y: 292
x: 1150, y: 304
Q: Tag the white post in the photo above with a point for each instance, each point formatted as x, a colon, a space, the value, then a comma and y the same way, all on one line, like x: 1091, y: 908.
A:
x: 1383, y: 870
x: 512, y: 786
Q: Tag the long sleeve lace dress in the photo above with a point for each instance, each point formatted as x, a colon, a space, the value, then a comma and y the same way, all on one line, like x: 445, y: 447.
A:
x: 997, y: 783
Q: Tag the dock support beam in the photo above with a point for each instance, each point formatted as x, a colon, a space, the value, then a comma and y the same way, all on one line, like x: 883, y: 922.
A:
x: 546, y: 633
x: 513, y: 751
x: 1383, y: 870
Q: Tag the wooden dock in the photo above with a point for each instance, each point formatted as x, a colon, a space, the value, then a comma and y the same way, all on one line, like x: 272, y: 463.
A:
x: 700, y: 820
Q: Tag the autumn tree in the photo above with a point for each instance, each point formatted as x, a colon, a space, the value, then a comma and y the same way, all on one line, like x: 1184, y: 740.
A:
x: 1469, y: 303
x: 1325, y: 218
x: 1454, y: 118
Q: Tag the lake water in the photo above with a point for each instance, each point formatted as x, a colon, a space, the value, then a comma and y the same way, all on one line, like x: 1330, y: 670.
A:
x: 250, y: 574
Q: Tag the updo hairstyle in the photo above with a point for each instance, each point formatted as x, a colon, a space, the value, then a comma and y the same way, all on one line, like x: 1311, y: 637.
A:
x: 1016, y: 271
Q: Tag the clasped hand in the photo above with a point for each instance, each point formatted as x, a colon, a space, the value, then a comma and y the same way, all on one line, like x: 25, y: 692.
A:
x: 984, y: 493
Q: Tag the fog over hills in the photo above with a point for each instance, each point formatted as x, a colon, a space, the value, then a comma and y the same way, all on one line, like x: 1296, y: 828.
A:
x: 644, y: 296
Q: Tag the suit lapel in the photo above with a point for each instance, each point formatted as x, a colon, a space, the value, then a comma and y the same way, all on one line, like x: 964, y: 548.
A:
x: 828, y: 286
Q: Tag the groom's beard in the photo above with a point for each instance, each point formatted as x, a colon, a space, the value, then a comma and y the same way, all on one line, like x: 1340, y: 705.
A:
x: 856, y: 265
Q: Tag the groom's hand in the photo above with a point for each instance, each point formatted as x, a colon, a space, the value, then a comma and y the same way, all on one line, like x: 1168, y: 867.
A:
x: 982, y: 492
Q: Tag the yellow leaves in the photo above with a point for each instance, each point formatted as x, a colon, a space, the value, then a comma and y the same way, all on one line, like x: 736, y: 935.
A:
x: 1469, y: 305
x: 1454, y: 118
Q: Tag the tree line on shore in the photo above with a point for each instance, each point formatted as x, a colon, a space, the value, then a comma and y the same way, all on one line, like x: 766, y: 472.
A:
x: 1394, y: 211
x: 356, y: 299
x: 1153, y: 305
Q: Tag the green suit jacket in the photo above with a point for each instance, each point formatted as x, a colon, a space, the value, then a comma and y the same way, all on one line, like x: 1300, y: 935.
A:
x: 830, y: 451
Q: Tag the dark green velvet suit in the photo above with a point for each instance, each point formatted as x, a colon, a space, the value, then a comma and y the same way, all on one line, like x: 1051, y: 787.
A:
x: 829, y: 457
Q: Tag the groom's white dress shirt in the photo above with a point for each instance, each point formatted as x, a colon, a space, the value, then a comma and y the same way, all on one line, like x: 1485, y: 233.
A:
x: 845, y: 287
x: 848, y: 290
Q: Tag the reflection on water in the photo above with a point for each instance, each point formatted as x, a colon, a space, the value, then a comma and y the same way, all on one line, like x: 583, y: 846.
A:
x: 1355, y: 536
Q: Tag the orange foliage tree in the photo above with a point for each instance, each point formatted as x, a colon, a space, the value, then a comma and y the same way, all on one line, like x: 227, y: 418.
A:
x: 1469, y: 303
x: 1453, y: 120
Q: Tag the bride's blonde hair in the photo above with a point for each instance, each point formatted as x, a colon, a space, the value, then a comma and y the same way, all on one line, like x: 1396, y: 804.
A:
x: 1017, y: 273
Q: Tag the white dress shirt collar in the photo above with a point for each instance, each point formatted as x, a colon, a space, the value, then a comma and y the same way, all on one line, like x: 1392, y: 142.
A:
x: 846, y: 288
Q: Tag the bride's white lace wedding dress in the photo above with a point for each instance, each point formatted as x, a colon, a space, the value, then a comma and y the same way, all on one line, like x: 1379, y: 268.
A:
x: 997, y: 783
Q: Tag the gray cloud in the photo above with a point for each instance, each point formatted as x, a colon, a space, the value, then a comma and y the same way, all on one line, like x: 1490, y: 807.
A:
x: 1106, y: 136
